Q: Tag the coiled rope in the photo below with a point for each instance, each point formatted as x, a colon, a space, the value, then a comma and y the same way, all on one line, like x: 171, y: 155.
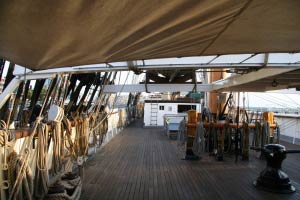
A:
x: 69, y: 144
x: 101, y: 130
x: 23, y: 169
x: 212, y: 138
x: 181, y: 139
x: 41, y: 174
x: 227, y: 131
x: 198, y: 143
x: 220, y: 144
x: 57, y: 148
x: 69, y: 190
x: 24, y: 183
x: 81, y: 138
x: 5, y: 144
x: 245, y: 141
x: 265, y: 134
x: 257, y: 135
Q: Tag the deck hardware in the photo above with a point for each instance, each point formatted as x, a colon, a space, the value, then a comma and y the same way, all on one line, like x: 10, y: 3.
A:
x: 5, y: 185
x: 55, y: 113
x: 272, y: 178
x: 274, y: 83
x: 80, y: 160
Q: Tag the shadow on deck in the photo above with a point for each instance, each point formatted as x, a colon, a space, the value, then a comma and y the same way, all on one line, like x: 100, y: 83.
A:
x: 142, y: 164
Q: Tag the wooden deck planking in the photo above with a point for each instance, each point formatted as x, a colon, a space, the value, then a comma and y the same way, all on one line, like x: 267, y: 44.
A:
x: 142, y: 164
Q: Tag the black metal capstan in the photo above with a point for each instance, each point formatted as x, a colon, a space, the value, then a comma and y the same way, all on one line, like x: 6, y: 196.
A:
x: 272, y: 178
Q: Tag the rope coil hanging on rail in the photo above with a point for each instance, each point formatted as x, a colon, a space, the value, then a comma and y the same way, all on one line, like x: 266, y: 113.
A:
x: 41, y: 174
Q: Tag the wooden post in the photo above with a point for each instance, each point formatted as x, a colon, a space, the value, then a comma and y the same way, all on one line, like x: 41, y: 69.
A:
x: 213, y: 102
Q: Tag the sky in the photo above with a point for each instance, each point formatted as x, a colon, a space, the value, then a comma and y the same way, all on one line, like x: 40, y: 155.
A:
x: 279, y: 99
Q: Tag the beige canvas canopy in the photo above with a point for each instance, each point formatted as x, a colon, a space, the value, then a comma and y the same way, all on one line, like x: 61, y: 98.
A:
x: 52, y: 33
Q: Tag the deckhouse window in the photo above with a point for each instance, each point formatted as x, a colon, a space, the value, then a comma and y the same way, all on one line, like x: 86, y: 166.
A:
x: 185, y: 108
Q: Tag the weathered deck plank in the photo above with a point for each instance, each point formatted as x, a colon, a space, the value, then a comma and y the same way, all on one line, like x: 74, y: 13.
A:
x: 142, y: 164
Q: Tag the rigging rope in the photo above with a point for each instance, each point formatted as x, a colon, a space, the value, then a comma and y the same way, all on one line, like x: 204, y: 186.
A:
x: 265, y: 134
x: 220, y: 144
x: 68, y: 142
x: 212, y: 138
x: 257, y: 135
x: 23, y: 166
x: 181, y: 139
x: 273, y: 101
x: 21, y: 115
x: 81, y: 139
x: 41, y: 174
x: 24, y: 184
x: 278, y: 133
x: 198, y: 143
x: 231, y: 114
x: 108, y: 114
x: 245, y: 141
x: 227, y: 131
x: 57, y: 148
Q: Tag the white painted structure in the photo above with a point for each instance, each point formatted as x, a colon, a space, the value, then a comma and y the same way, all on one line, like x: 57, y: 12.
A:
x: 154, y: 111
x: 289, y: 127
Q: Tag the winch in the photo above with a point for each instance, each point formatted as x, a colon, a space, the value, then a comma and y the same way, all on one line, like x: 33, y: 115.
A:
x: 272, y: 178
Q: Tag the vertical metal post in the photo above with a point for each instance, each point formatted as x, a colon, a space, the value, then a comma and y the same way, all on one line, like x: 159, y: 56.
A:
x: 295, y: 132
x: 237, y: 129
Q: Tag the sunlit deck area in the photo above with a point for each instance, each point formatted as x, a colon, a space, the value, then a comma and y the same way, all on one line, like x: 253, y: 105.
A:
x: 141, y: 163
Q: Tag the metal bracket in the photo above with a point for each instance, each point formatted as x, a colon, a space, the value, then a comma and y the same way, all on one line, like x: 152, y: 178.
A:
x: 11, y: 87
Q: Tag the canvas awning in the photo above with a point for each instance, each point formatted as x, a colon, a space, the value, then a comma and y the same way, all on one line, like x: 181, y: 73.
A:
x: 50, y: 34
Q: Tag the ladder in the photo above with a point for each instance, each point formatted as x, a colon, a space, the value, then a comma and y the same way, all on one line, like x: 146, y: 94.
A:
x: 153, y: 114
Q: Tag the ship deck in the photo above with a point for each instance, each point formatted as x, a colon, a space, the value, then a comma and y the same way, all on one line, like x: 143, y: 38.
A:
x: 141, y: 163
